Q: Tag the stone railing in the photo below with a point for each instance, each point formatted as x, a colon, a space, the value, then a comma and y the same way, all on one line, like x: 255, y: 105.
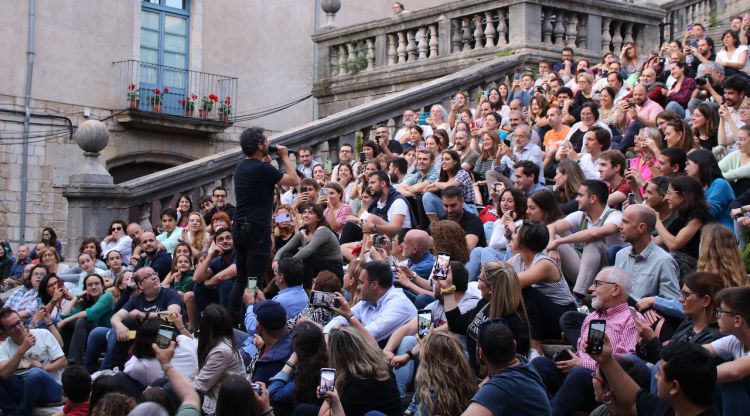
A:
x: 392, y: 54
x: 94, y: 200
x: 709, y: 13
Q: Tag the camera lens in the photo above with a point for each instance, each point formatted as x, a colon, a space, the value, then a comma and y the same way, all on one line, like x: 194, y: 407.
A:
x: 272, y: 148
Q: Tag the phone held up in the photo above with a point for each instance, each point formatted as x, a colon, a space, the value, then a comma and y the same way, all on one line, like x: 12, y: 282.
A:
x: 324, y: 299
x: 167, y: 333
x: 424, y: 319
x: 440, y: 271
x: 596, y: 336
x: 327, y: 379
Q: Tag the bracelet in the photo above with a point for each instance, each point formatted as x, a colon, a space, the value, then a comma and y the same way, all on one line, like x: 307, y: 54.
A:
x: 448, y: 290
x: 293, y: 366
x: 350, y: 318
x: 410, y: 354
x: 268, y: 412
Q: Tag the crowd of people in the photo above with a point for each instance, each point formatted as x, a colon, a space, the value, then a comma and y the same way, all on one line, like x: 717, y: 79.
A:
x: 574, y: 242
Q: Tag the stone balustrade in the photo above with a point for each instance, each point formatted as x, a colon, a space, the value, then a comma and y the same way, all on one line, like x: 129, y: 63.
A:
x: 376, y: 58
x: 709, y: 13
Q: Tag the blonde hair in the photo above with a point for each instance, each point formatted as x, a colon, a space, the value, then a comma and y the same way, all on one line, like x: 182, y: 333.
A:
x: 506, y: 298
x: 198, y: 239
x: 354, y: 270
x: 438, y: 349
x: 354, y: 358
x: 718, y: 253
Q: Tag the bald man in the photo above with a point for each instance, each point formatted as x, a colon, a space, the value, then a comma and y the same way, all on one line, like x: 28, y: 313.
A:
x: 638, y: 112
x: 653, y: 271
x: 416, y: 250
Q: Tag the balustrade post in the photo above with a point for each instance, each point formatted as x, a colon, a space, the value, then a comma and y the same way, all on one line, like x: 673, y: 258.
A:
x: 351, y: 60
x: 370, y: 54
x: 466, y: 34
x: 582, y: 35
x: 455, y: 36
x: 446, y: 30
x: 571, y: 31
x: 478, y: 32
x: 502, y: 28
x: 489, y: 31
x: 343, y: 55
x: 559, y: 30
x: 433, y: 43
x: 411, y: 46
x: 333, y: 61
x: 392, y: 55
x: 524, y: 21
x: 401, y: 50
x: 423, y: 46
x: 617, y: 38
x: 593, y: 32
x: 144, y: 216
x: 628, y: 31
x: 547, y: 26
x: 381, y: 58
x: 606, y: 37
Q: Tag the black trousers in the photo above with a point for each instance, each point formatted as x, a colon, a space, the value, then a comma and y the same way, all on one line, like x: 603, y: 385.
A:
x: 252, y: 245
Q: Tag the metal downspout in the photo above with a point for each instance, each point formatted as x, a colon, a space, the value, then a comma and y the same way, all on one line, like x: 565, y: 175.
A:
x: 26, y: 119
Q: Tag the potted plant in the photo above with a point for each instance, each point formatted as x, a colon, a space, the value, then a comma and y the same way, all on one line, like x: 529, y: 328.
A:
x: 207, y: 104
x: 225, y: 109
x: 188, y: 104
x: 134, y: 95
x: 158, y: 99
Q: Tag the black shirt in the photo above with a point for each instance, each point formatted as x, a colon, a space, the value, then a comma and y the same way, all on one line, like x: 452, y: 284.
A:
x: 162, y: 301
x: 253, y: 187
x: 648, y: 404
x: 473, y: 225
x: 364, y: 395
x: 228, y: 208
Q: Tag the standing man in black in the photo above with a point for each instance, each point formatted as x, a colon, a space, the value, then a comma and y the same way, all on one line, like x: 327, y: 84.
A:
x: 254, y: 181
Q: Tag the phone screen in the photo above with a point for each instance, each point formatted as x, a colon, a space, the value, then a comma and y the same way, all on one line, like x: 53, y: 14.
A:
x: 324, y: 299
x: 329, y: 167
x: 282, y: 218
x: 327, y: 378
x: 631, y: 198
x: 252, y: 283
x: 596, y: 336
x: 424, y: 319
x: 60, y: 283
x: 164, y: 336
x: 440, y: 271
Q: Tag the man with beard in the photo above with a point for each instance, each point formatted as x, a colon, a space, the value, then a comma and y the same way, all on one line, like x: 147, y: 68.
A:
x: 254, y: 182
x: 569, y: 381
x: 637, y: 112
x: 397, y: 170
x: 453, y: 204
x: 214, y: 277
x: 389, y: 212
x: 152, y: 257
x: 734, y: 95
x: 410, y: 120
x: 468, y: 155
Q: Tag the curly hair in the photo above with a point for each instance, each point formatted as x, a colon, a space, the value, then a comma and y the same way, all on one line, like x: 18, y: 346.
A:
x: 718, y: 253
x: 439, y: 348
x: 114, y: 404
x: 449, y: 237
x: 310, y: 345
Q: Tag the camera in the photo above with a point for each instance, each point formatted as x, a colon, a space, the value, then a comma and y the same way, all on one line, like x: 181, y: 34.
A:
x: 272, y: 148
x: 702, y: 81
x: 379, y: 240
x: 631, y: 103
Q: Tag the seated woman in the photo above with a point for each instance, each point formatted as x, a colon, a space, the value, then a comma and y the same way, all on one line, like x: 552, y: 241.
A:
x: 337, y: 211
x: 702, y: 165
x: 315, y: 244
x: 734, y: 56
x: 87, y: 265
x: 512, y: 207
x: 682, y: 237
x: 116, y: 267
x: 346, y: 180
x: 679, y: 95
x: 705, y: 124
x: 196, y: 235
x: 352, y: 230
x: 89, y: 310
x: 735, y: 167
x: 297, y: 381
x: 49, y: 239
x: 568, y: 180
x: 459, y: 105
x: 183, y: 207
x: 180, y: 278
x: 320, y: 175
x: 325, y: 281
x: 50, y: 258
x: 451, y: 174
x: 589, y: 119
x: 438, y: 118
x: 546, y: 294
x: 53, y: 297
x: 642, y: 167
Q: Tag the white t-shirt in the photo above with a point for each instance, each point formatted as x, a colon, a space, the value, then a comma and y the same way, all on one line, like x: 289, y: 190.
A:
x: 729, y: 348
x: 735, y: 57
x: 614, y: 217
x: 398, y: 207
x: 589, y: 167
x: 45, y: 350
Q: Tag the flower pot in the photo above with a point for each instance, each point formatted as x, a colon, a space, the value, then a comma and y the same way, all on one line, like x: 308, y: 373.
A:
x: 223, y: 116
x: 134, y: 103
x: 188, y: 112
x: 156, y: 107
x: 203, y: 113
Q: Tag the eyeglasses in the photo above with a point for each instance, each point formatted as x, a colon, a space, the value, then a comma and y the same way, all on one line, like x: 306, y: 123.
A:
x: 220, y: 196
x: 720, y: 312
x: 598, y: 283
x: 147, y: 276
x: 684, y: 294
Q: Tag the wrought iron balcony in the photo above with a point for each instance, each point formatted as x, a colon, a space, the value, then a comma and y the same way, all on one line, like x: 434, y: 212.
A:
x: 160, y: 97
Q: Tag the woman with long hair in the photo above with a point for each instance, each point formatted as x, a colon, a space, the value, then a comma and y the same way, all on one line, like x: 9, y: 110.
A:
x: 28, y: 304
x: 705, y: 124
x: 53, y: 297
x: 318, y: 246
x: 546, y: 293
x: 346, y: 180
x: 50, y: 258
x: 364, y: 381
x: 677, y: 133
x: 195, y: 234
x: 296, y: 382
x: 180, y: 278
x: 568, y: 179
x: 487, y: 152
x: 371, y: 150
x: 682, y: 237
x: 718, y: 253
x: 238, y: 398
x: 352, y: 231
x: 319, y: 174
x: 501, y: 298
x: 678, y: 96
x: 184, y: 207
x: 351, y: 281
x: 336, y: 211
x: 642, y: 167
x: 734, y: 56
x: 451, y: 174
x: 702, y: 165
x: 608, y: 111
x: 459, y: 104
x: 91, y: 309
x: 49, y: 239
x: 284, y: 220
x: 538, y: 114
x: 542, y: 207
x: 584, y: 92
x: 217, y: 354
x: 431, y: 397
x: 629, y: 58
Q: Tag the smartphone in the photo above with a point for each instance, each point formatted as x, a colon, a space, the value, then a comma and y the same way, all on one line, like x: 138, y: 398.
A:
x: 379, y: 240
x: 631, y: 198
x: 252, y: 283
x: 422, y: 120
x: 302, y: 189
x: 60, y: 284
x: 485, y: 93
x: 327, y: 378
x: 596, y: 336
x: 440, y: 270
x: 633, y: 312
x: 563, y: 355
x: 167, y: 333
x: 329, y: 166
x: 256, y: 388
x: 516, y: 76
x: 282, y: 218
x: 424, y: 319
x: 323, y: 193
x: 131, y: 334
x: 325, y: 299
x: 690, y: 26
x: 362, y: 156
x: 472, y: 125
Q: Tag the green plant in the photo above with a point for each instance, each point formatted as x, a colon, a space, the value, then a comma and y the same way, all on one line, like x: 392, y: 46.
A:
x: 714, y: 21
x: 505, y: 52
x: 225, y: 107
x: 158, y: 96
x: 358, y: 135
x: 207, y: 103
x: 359, y: 63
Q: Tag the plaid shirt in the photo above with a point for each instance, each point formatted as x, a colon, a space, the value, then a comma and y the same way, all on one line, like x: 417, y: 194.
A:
x: 620, y: 330
x: 15, y: 297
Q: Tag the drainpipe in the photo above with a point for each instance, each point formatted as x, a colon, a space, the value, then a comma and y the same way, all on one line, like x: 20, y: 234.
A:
x: 26, y: 119
x: 316, y: 26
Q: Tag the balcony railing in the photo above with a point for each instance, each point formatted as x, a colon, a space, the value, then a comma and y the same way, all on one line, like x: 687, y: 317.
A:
x: 137, y: 83
x: 710, y: 13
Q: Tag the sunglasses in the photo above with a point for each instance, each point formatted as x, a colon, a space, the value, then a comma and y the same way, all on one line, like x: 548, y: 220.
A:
x: 115, y: 229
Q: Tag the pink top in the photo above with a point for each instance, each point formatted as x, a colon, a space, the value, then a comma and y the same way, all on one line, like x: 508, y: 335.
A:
x: 649, y: 111
x: 344, y: 211
x: 640, y: 165
x: 620, y: 330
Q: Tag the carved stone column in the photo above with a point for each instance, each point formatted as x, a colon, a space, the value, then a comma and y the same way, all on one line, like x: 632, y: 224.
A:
x: 489, y: 31
x: 606, y: 37
x: 434, y: 41
x: 559, y: 30
x: 547, y: 26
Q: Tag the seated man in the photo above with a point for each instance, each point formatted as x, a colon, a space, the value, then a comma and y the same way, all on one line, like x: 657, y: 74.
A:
x: 151, y: 256
x: 612, y: 171
x: 453, y: 204
x: 153, y: 300
x: 220, y: 204
x: 513, y: 387
x: 653, y: 271
x: 172, y: 233
x: 381, y: 311
x: 641, y: 114
x: 415, y: 183
x: 594, y: 226
x: 527, y: 177
x: 468, y: 155
x: 569, y: 381
x: 30, y: 365
x: 734, y: 322
x: 214, y: 276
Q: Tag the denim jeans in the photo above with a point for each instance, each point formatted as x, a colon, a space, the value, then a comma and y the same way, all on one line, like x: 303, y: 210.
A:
x: 96, y: 344
x: 405, y: 374
x: 252, y: 245
x: 37, y: 387
x: 735, y: 397
x: 480, y: 256
x: 205, y: 296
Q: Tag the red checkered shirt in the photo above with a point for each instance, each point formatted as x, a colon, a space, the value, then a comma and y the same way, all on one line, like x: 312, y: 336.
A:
x: 620, y: 330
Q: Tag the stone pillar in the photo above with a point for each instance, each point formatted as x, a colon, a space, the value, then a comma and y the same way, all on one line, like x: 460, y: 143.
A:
x: 525, y: 21
x: 91, y: 194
